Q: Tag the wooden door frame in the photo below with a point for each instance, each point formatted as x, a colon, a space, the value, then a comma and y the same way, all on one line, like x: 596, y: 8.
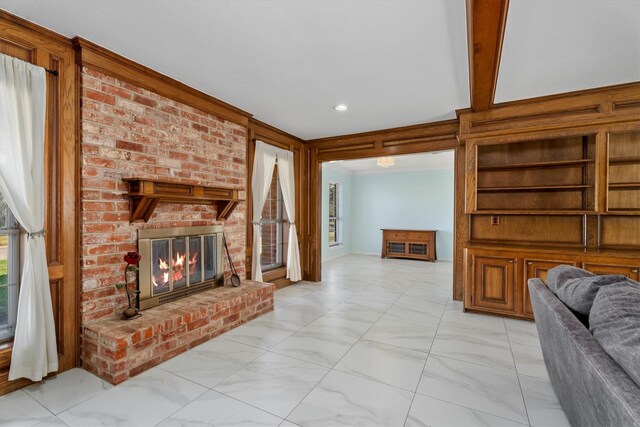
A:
x: 437, y: 136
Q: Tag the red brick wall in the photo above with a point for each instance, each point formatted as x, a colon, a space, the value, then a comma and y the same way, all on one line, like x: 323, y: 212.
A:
x: 130, y: 132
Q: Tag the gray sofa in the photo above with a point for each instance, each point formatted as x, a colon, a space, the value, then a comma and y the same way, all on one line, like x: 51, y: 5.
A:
x: 592, y: 388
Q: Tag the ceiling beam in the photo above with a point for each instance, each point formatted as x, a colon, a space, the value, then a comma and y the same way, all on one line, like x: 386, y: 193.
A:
x: 486, y: 22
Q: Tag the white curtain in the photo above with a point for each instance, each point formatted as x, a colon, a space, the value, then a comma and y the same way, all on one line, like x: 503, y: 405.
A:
x: 264, y: 161
x: 287, y: 183
x: 263, y: 164
x: 22, y: 115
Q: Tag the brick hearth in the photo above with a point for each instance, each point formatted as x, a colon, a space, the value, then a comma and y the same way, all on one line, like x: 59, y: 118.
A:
x: 115, y: 349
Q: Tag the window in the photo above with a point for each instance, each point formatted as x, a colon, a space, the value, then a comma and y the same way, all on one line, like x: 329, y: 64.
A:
x: 9, y: 271
x: 335, y: 214
x: 274, y: 228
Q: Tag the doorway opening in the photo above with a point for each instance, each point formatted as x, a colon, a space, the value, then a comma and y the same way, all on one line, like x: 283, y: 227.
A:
x: 411, y: 194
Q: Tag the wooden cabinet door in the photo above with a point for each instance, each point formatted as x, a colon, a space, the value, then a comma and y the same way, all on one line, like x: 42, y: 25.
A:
x: 631, y: 271
x: 493, y: 286
x: 537, y: 269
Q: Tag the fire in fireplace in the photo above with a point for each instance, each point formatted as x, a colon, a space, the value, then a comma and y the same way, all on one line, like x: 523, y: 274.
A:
x: 178, y: 261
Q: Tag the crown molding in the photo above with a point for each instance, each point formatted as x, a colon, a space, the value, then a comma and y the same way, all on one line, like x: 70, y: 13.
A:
x: 35, y: 28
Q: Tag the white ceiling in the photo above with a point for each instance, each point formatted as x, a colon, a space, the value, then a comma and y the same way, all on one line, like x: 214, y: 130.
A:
x: 442, y: 160
x: 566, y: 45
x: 394, y: 62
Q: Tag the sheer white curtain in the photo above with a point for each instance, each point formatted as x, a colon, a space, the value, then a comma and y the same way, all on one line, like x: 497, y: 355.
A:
x: 264, y: 161
x: 22, y: 115
x: 288, y: 185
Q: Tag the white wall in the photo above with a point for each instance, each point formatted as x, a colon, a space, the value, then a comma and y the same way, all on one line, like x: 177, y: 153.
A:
x: 403, y: 200
x: 412, y: 200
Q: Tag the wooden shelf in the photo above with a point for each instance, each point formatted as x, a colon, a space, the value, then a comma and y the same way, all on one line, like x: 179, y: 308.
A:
x: 533, y: 188
x: 624, y: 160
x: 624, y: 186
x: 537, y: 165
x: 145, y: 194
x: 624, y: 211
x: 532, y: 212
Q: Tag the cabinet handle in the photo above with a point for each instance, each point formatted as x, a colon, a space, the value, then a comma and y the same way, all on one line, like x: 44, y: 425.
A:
x: 529, y: 263
x: 511, y: 261
x: 634, y: 271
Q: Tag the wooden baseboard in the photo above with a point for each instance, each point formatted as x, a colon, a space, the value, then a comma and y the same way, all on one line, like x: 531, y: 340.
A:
x: 7, y: 386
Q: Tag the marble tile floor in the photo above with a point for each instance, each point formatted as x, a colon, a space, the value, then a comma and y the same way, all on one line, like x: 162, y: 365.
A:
x: 376, y: 343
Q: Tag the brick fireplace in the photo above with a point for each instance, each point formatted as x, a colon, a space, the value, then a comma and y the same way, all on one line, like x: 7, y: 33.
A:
x: 130, y: 132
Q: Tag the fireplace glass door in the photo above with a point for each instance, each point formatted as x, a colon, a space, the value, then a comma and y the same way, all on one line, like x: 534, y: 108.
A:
x: 178, y: 262
x: 160, y: 266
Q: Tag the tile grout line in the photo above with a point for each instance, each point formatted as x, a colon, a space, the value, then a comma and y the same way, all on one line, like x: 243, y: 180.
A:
x: 524, y: 402
x: 81, y: 402
x: 406, y: 418
x: 35, y: 400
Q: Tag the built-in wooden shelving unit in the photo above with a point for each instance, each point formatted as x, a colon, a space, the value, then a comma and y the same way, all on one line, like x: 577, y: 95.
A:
x: 536, y: 204
x: 145, y: 194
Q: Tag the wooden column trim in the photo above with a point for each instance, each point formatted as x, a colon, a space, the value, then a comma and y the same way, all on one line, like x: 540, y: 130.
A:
x: 98, y: 58
x: 486, y: 22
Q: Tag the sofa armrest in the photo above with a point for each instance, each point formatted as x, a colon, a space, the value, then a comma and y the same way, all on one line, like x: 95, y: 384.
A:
x: 592, y: 388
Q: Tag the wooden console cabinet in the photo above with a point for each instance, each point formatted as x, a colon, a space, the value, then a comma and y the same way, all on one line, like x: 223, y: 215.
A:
x: 414, y: 244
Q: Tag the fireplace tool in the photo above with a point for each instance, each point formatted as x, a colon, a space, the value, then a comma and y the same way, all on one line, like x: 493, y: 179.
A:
x: 235, y: 279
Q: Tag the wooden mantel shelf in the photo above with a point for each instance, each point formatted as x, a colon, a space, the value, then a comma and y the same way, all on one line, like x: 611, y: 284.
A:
x: 145, y: 194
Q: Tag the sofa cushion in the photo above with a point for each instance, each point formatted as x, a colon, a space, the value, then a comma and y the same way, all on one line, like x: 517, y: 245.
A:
x: 560, y: 274
x: 615, y: 323
x: 578, y: 294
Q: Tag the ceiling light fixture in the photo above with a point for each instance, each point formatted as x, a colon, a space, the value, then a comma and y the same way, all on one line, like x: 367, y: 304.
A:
x: 385, y: 162
x: 341, y: 107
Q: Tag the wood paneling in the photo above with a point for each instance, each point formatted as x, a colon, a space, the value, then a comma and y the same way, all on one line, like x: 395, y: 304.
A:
x: 461, y: 224
x: 540, y: 229
x: 13, y: 49
x: 101, y: 59
x: 41, y: 47
x: 586, y: 108
x: 620, y: 231
x: 486, y: 22
x: 388, y: 142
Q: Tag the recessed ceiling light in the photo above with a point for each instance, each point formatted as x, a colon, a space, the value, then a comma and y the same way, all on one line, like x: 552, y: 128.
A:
x: 341, y: 107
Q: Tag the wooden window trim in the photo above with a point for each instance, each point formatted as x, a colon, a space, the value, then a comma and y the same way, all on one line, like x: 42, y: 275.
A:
x: 275, y: 274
